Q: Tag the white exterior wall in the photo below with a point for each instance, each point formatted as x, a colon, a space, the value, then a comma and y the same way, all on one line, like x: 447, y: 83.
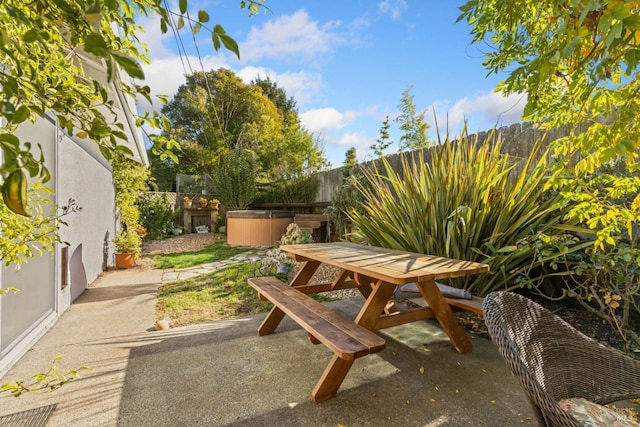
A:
x: 26, y: 315
x: 79, y: 172
x: 85, y: 176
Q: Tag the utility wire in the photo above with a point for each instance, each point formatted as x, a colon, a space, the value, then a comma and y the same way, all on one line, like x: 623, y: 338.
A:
x: 206, y: 82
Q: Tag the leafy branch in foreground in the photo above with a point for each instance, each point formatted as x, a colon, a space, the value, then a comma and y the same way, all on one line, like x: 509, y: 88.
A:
x: 577, y: 62
x: 46, y: 51
x: 45, y: 381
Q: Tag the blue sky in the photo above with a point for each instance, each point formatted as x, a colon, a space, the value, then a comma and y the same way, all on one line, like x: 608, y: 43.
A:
x: 347, y: 63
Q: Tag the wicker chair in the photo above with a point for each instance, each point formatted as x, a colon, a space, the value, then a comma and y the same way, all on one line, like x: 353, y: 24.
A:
x: 554, y: 361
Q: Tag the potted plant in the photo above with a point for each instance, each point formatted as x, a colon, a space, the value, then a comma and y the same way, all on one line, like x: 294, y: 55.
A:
x: 203, y: 202
x: 128, y: 246
x: 187, y: 201
x: 214, y: 203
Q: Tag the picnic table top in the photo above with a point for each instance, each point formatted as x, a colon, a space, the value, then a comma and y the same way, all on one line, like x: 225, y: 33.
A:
x: 392, y: 266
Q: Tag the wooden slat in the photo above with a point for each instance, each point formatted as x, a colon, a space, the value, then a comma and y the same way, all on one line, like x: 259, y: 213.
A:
x: 344, y: 337
x: 474, y: 305
x: 405, y: 316
x: 392, y: 266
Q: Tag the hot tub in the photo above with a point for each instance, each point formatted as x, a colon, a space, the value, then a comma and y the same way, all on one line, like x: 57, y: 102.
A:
x: 257, y: 228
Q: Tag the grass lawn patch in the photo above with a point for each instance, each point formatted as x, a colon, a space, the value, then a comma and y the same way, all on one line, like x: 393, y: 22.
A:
x: 215, y: 252
x: 219, y: 295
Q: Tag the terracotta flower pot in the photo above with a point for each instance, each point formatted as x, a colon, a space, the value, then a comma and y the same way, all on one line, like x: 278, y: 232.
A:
x: 125, y: 260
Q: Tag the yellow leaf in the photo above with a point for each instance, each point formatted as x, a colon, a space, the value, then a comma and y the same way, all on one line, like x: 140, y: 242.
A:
x: 422, y: 370
x: 82, y: 134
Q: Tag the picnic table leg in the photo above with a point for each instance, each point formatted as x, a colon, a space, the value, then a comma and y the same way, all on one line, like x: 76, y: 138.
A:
x: 331, y: 379
x: 275, y: 316
x: 374, y: 305
x: 303, y: 275
x: 271, y: 322
x: 445, y: 316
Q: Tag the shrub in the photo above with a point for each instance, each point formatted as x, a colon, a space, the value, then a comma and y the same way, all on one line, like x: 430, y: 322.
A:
x: 295, y: 235
x: 235, y: 178
x: 347, y: 197
x: 467, y: 203
x: 156, y: 216
x: 607, y: 283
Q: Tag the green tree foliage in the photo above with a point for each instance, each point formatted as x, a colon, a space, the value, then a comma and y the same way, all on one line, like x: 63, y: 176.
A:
x: 285, y: 105
x: 350, y: 158
x: 43, y: 70
x: 384, y: 140
x: 235, y: 178
x: 412, y: 124
x: 130, y: 179
x: 156, y: 215
x: 467, y: 202
x: 347, y: 196
x: 577, y: 62
x: 215, y: 112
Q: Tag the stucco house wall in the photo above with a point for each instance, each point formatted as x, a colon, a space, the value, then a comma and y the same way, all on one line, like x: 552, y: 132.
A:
x: 50, y: 283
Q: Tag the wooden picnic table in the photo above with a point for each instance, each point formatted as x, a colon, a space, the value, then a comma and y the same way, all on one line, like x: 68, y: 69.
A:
x: 375, y: 272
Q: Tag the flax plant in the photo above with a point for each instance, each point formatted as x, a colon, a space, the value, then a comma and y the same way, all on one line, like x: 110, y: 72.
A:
x: 468, y: 201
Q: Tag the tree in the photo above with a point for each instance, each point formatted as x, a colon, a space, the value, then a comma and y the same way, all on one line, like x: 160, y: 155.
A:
x: 577, y: 62
x: 384, y: 140
x: 214, y: 112
x: 350, y: 158
x: 285, y: 105
x: 412, y: 124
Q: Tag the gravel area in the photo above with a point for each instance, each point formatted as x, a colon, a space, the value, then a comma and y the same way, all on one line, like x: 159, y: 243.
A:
x: 181, y: 243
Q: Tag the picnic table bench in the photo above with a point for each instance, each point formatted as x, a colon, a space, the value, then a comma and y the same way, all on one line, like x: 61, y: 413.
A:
x: 346, y: 339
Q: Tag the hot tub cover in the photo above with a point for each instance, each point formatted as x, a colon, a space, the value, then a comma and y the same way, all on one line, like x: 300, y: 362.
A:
x: 260, y: 214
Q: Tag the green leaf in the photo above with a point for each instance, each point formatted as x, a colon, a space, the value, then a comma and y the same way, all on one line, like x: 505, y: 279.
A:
x: 183, y: 6
x: 218, y: 29
x: 21, y: 114
x: 203, y: 16
x: 215, y: 39
x: 10, y: 138
x: 31, y: 36
x: 196, y: 28
x: 130, y: 65
x: 230, y: 44
x: 180, y: 24
x: 95, y: 44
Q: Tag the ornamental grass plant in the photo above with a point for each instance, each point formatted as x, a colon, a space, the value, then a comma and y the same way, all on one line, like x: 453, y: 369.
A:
x: 465, y: 200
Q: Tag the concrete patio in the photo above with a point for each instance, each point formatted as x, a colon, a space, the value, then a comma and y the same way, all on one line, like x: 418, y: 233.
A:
x: 222, y: 374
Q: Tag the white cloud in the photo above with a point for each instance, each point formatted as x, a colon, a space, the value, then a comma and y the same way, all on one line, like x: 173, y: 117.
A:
x: 393, y: 8
x: 325, y: 119
x: 295, y: 36
x: 482, y: 110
